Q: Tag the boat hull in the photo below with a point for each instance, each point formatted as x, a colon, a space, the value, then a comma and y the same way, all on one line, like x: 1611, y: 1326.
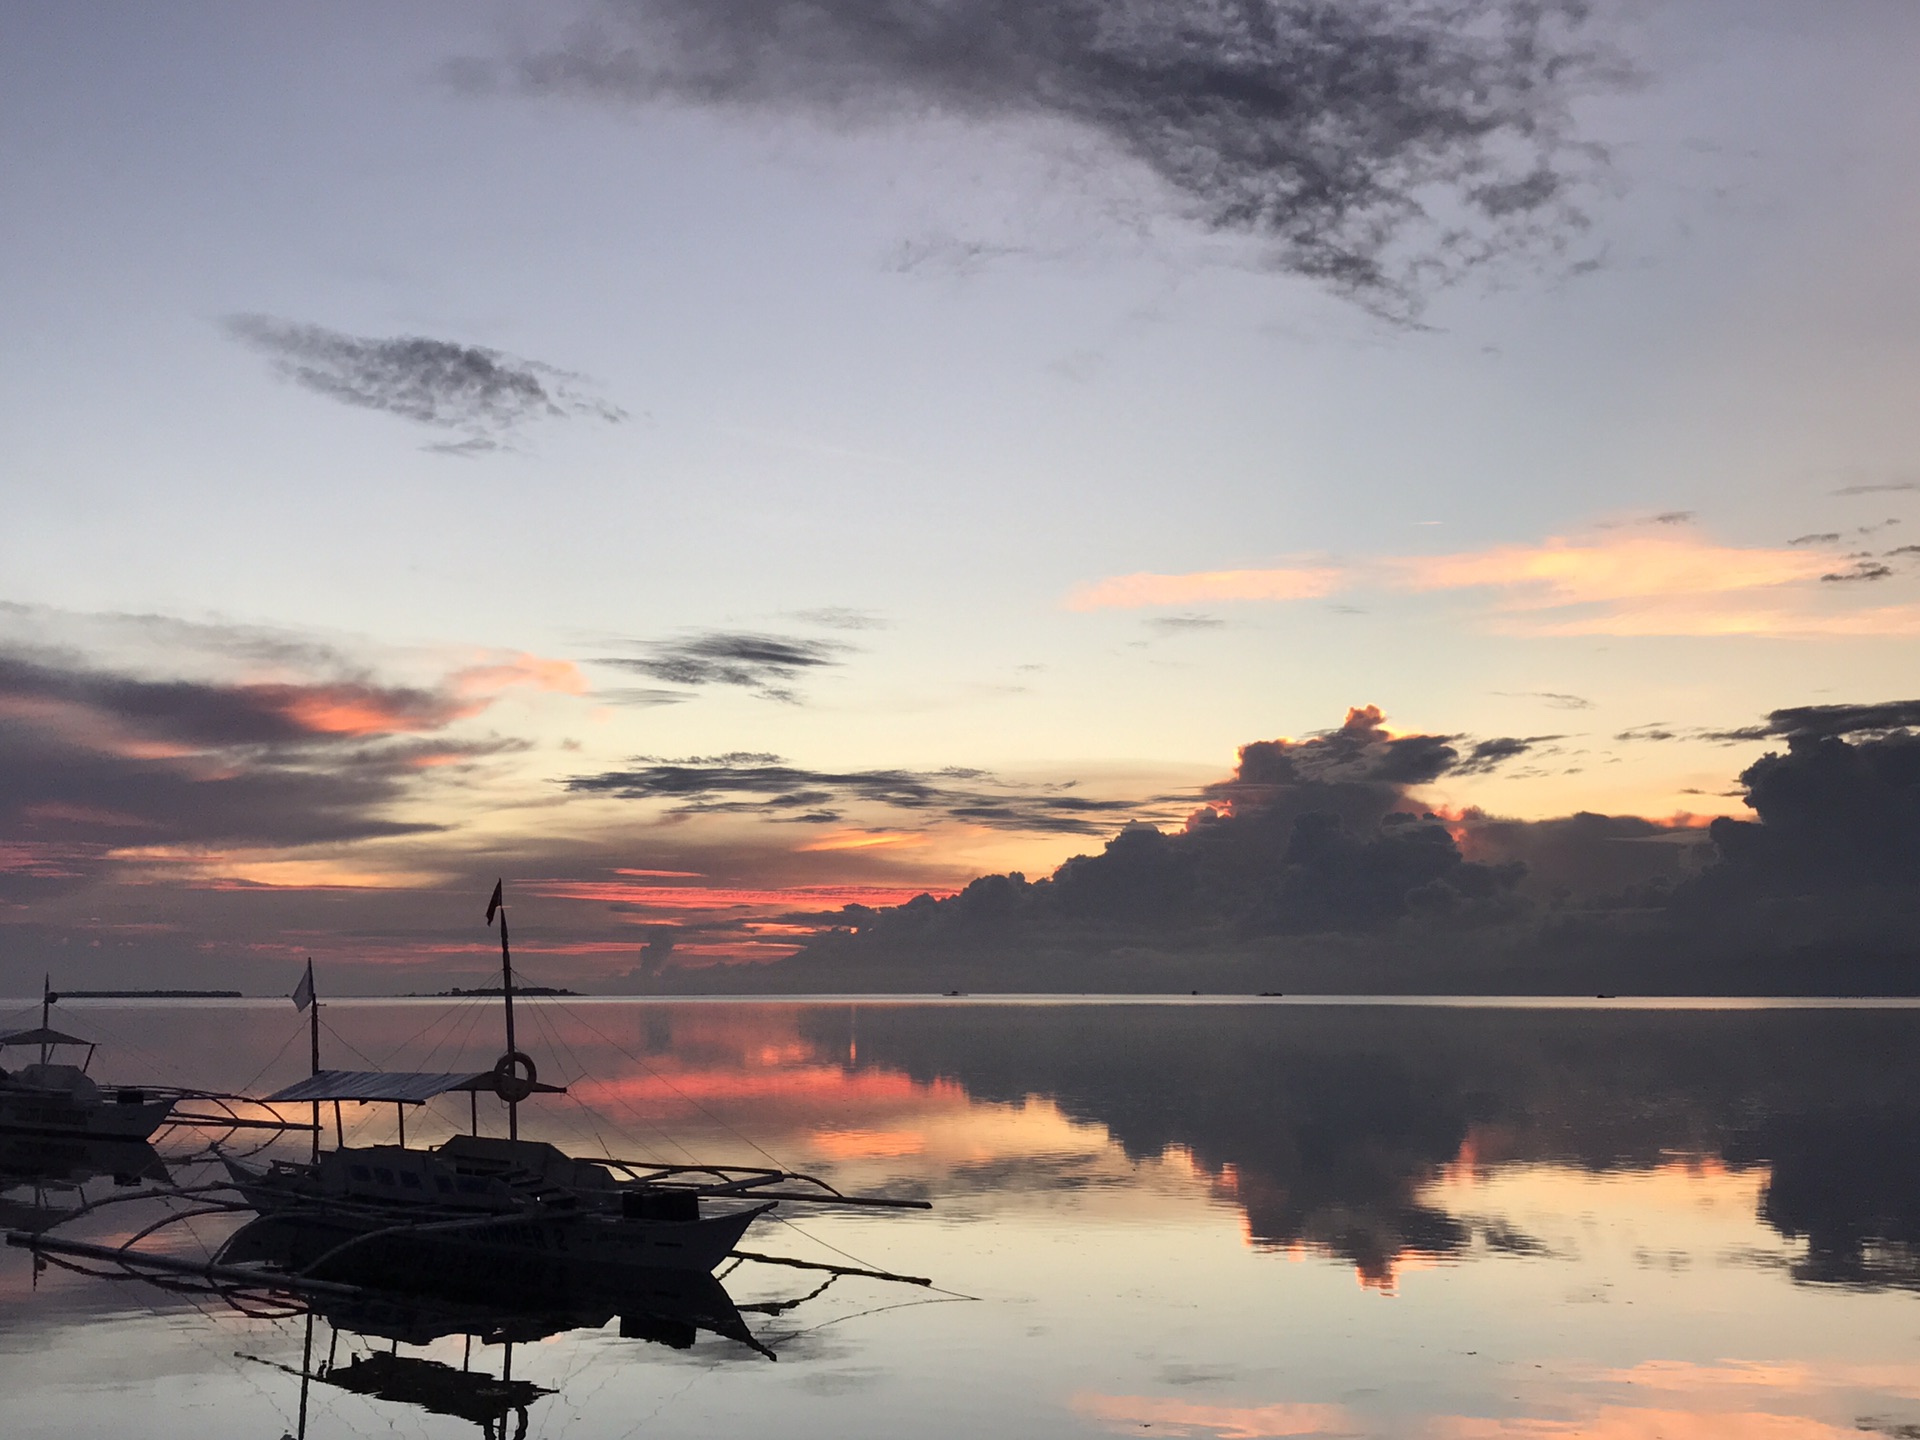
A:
x: 53, y: 1112
x: 548, y: 1253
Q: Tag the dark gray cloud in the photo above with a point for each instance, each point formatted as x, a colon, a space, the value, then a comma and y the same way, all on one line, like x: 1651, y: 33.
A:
x: 751, y: 783
x: 1586, y: 855
x: 1379, y: 147
x: 1862, y: 570
x: 1488, y: 755
x: 1359, y: 772
x: 1839, y: 810
x: 1656, y: 731
x: 1889, y: 488
x: 208, y: 714
x: 62, y: 636
x: 484, y: 395
x: 1823, y: 537
x: 643, y: 697
x: 94, y: 761
x: 1360, y: 751
x: 1804, y: 721
x: 1311, y: 836
x: 768, y: 665
x: 1817, y: 722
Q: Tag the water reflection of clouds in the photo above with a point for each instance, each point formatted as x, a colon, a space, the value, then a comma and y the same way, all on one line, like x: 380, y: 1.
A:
x: 1625, y: 1422
x: 1591, y: 1225
x: 1718, y: 1400
x: 1364, y: 1135
x: 1170, y: 1416
x: 1370, y: 1136
x: 1725, y: 1400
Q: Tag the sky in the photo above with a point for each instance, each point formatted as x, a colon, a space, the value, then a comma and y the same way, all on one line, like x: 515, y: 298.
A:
x: 450, y: 442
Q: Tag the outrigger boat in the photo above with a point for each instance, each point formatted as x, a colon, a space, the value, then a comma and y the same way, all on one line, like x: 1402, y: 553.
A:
x: 504, y: 1206
x: 49, y: 1097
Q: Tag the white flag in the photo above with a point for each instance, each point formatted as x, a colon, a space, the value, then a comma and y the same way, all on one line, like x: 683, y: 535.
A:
x: 303, y: 992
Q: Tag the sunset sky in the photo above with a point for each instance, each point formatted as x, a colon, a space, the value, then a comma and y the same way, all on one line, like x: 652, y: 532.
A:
x: 948, y: 432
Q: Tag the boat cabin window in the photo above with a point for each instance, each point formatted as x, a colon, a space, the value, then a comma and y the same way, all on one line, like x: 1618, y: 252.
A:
x: 410, y: 1180
x: 359, y: 1172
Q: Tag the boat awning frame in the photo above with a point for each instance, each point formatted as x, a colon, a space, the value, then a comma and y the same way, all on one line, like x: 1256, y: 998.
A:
x: 41, y: 1035
x: 392, y: 1087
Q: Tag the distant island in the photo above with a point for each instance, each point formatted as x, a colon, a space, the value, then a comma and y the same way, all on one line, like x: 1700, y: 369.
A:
x: 146, y: 995
x: 485, y: 990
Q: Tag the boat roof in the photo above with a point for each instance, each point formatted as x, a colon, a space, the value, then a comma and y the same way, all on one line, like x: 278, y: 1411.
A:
x: 400, y: 1087
x: 41, y: 1035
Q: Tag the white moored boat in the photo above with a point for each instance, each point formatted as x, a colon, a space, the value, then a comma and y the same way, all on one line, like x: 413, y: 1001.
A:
x: 51, y: 1097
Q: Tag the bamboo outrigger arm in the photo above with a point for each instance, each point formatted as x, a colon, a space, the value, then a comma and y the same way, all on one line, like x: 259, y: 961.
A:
x: 747, y: 1180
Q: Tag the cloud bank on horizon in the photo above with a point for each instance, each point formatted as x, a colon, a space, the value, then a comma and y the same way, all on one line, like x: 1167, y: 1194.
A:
x: 294, y: 774
x: 1327, y: 840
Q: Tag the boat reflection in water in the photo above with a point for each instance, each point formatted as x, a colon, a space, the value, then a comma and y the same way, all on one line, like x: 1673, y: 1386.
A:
x: 373, y: 1303
x: 43, y: 1177
x: 404, y: 1308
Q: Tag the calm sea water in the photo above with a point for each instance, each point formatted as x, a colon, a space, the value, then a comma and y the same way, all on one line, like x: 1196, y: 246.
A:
x: 1204, y: 1219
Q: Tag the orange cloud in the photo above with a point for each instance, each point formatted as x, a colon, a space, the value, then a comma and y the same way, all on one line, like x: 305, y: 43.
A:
x: 864, y: 840
x: 1228, y: 1422
x: 718, y: 897
x: 1559, y: 571
x: 310, y: 875
x: 358, y: 709
x: 1133, y: 592
x: 536, y: 672
x: 1617, y: 584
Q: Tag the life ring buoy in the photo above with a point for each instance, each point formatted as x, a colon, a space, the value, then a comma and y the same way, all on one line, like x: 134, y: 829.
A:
x: 508, y: 1083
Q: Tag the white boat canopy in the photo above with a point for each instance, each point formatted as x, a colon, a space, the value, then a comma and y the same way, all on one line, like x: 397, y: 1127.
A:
x: 394, y: 1087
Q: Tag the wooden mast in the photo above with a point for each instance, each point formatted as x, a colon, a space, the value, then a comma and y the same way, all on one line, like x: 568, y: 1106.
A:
x: 499, y: 904
x: 313, y: 1036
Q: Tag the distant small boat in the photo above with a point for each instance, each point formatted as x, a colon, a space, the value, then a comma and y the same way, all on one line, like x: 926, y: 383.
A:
x: 50, y: 1098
